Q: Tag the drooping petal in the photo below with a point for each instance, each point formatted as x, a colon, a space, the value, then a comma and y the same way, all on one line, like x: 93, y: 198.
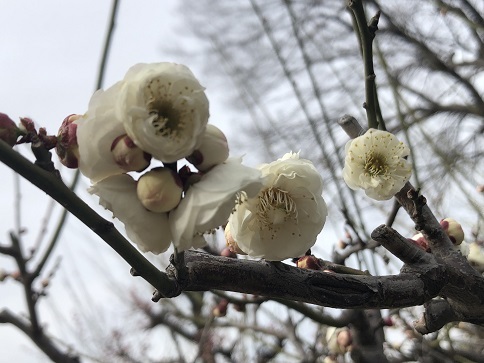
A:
x: 150, y: 231
x: 96, y: 131
x: 208, y: 203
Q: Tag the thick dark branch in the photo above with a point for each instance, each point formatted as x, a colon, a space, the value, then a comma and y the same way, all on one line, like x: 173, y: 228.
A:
x: 38, y: 337
x: 437, y: 314
x: 277, y: 280
x: 406, y: 251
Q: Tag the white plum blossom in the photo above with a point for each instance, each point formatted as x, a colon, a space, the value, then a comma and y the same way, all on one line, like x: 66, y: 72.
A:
x: 160, y: 111
x: 164, y: 110
x: 150, y: 231
x: 286, y: 216
x: 375, y: 162
x: 209, y: 202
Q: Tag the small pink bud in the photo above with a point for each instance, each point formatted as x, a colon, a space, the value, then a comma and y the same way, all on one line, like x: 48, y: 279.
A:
x: 16, y: 275
x: 221, y: 308
x: 388, y: 321
x: 231, y: 244
x: 309, y: 263
x: 128, y: 156
x: 159, y: 190
x: 420, y: 241
x: 226, y: 252
x: 214, y: 149
x: 27, y: 124
x: 66, y: 147
x: 344, y: 338
x: 453, y: 229
x: 9, y: 132
x: 342, y: 244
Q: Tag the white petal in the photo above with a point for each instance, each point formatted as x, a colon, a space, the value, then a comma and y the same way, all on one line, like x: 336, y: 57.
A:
x: 208, y: 203
x: 96, y: 131
x: 150, y: 231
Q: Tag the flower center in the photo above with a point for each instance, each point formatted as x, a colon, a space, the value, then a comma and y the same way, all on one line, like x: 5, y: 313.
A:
x: 376, y: 164
x: 275, y: 206
x: 167, y: 120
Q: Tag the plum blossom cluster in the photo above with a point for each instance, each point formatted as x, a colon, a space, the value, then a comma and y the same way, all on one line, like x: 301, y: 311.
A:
x: 157, y: 115
x: 376, y: 162
x: 284, y: 219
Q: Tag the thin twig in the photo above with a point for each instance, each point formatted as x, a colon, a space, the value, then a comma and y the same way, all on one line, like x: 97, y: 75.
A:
x: 366, y: 34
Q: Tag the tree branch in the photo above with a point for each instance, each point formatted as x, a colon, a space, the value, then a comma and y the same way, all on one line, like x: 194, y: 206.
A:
x: 203, y: 272
x: 54, y: 187
x: 38, y: 337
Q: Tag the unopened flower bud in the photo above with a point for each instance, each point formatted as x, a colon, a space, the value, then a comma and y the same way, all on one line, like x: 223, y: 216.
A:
x: 66, y: 147
x: 388, y: 321
x: 227, y: 252
x: 16, y: 275
x: 231, y: 244
x: 342, y: 244
x: 453, y: 229
x: 9, y: 132
x: 159, y: 190
x: 476, y: 255
x: 309, y: 263
x: 128, y: 156
x: 214, y: 149
x: 420, y: 241
x: 221, y: 308
x: 344, y: 338
x: 338, y: 340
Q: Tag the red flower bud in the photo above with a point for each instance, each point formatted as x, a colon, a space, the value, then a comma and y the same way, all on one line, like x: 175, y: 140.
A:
x: 9, y: 132
x: 309, y: 262
x: 67, y: 148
